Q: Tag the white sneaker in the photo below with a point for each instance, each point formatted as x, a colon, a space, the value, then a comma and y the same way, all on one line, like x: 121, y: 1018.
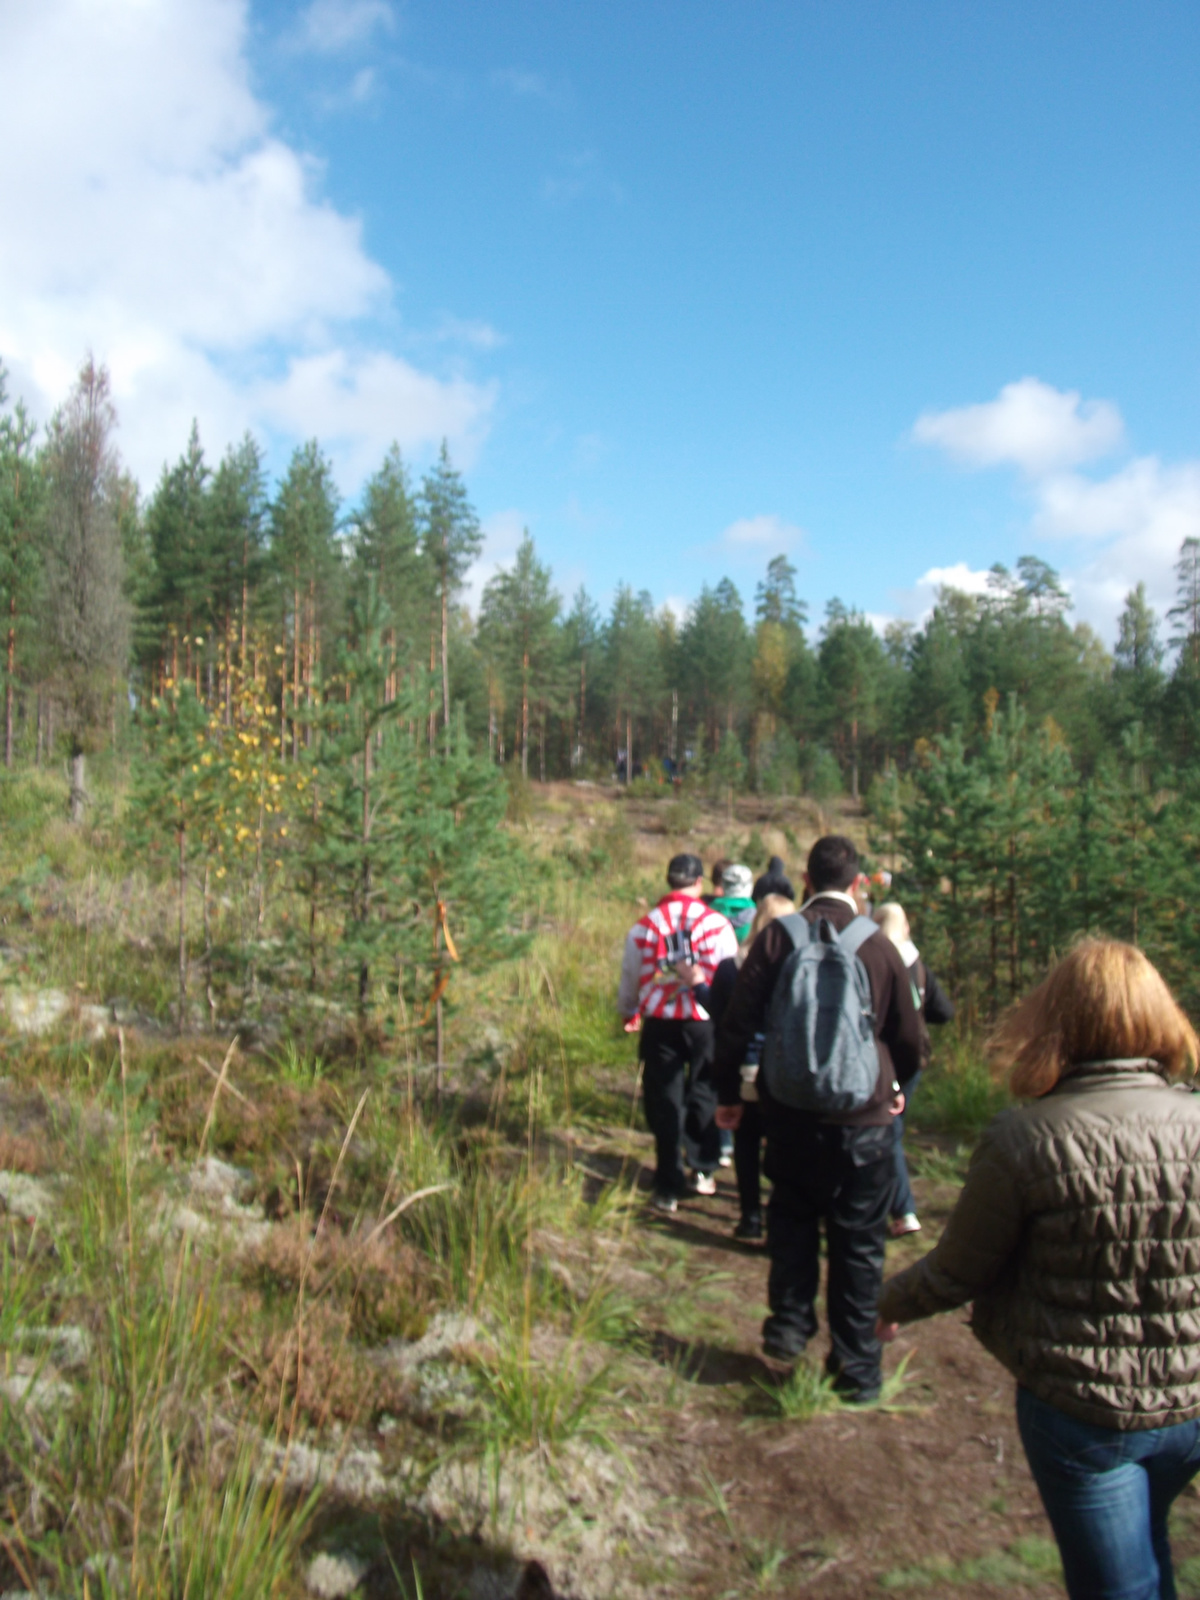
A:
x: 725, y: 1159
x: 908, y: 1223
x: 664, y: 1202
x: 702, y: 1183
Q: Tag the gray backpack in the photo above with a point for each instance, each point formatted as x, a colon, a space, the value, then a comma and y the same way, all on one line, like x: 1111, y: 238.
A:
x: 820, y: 1053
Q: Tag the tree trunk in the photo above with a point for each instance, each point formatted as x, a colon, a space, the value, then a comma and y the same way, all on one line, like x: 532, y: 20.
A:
x: 628, y: 750
x: 181, y: 839
x: 582, y: 703
x: 446, y: 665
x: 439, y: 1031
x: 79, y: 796
x: 10, y: 664
x: 364, y: 971
x: 37, y: 758
x: 295, y: 660
x: 525, y: 715
x: 208, y: 951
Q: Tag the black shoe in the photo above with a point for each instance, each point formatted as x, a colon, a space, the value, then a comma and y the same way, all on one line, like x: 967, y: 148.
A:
x: 779, y: 1349
x: 750, y: 1227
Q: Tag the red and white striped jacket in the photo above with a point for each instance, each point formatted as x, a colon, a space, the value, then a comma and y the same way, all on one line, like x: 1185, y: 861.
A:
x: 679, y: 928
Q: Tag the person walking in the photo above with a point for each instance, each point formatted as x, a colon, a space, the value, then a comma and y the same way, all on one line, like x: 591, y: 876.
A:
x: 733, y: 898
x: 830, y: 1167
x: 669, y: 953
x: 1077, y: 1238
x: 747, y: 1140
x: 937, y: 1008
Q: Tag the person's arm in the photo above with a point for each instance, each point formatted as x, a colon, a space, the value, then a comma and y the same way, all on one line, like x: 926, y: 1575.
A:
x: 631, y: 974
x: 746, y: 1013
x: 978, y: 1243
x: 939, y: 1007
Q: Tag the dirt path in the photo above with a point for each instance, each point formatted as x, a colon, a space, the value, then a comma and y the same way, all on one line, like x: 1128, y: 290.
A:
x: 933, y: 1497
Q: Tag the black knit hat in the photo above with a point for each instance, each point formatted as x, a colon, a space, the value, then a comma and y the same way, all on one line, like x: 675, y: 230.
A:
x: 682, y: 871
x: 773, y: 881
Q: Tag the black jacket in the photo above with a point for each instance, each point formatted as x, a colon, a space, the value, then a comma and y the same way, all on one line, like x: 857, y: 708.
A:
x: 897, y: 1019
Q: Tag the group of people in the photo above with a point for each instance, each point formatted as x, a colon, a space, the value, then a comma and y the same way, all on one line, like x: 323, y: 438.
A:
x: 1077, y: 1234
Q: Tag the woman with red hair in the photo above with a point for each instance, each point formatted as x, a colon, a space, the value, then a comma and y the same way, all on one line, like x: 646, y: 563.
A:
x: 1077, y: 1237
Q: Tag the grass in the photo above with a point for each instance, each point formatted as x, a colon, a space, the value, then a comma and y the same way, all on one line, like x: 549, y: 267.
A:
x: 808, y: 1391
x: 1030, y: 1560
x: 957, y: 1094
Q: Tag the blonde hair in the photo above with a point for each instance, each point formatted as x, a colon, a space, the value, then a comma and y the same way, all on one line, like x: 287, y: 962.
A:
x: 893, y: 923
x: 769, y: 907
x: 1104, y: 1001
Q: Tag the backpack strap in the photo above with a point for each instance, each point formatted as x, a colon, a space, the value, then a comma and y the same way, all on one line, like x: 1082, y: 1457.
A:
x: 855, y: 934
x: 799, y: 929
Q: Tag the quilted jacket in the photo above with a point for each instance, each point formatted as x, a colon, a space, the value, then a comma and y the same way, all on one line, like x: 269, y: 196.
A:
x: 1077, y: 1236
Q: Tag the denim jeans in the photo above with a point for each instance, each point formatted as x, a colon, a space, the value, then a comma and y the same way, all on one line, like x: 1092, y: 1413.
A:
x: 903, y: 1200
x: 1107, y: 1494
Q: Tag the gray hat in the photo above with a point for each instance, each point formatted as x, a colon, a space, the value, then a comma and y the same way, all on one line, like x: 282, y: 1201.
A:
x: 736, y: 882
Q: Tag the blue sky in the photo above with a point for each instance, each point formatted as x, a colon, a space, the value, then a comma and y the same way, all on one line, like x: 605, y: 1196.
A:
x: 902, y: 289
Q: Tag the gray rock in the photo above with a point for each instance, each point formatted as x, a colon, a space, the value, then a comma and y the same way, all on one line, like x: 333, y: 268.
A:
x: 445, y: 1333
x: 70, y: 1347
x: 42, y: 1394
x: 33, y: 1012
x: 216, y: 1180
x: 331, y: 1576
x: 26, y: 1196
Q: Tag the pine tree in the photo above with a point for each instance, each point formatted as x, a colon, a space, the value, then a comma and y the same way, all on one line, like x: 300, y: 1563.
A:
x: 451, y: 539
x: 20, y: 559
x: 307, y: 563
x: 178, y: 598
x: 87, y: 616
x: 517, y: 632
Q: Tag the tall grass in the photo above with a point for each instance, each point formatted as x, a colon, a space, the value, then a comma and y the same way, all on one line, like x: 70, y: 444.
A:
x: 146, y: 1475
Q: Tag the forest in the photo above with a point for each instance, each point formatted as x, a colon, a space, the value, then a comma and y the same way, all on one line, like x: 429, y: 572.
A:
x: 303, y: 692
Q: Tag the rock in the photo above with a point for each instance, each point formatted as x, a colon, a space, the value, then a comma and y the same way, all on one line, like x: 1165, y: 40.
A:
x: 27, y: 1197
x: 42, y: 1394
x: 34, y: 1012
x: 446, y: 1333
x: 216, y: 1180
x: 332, y: 1576
x: 354, y: 1475
x: 70, y: 1347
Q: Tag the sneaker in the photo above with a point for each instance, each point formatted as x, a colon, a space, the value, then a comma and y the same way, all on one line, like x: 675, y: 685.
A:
x: 666, y: 1203
x: 702, y: 1183
x: 725, y: 1159
x: 908, y: 1223
x: 750, y: 1227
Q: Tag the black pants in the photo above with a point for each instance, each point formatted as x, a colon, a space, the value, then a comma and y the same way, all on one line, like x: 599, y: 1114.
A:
x: 747, y: 1153
x: 844, y: 1176
x: 680, y: 1098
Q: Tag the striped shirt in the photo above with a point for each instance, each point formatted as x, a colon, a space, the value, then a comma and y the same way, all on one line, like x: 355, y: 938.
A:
x: 679, y: 928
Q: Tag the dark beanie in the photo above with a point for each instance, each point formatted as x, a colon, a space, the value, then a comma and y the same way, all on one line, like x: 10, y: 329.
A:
x: 682, y: 871
x: 773, y: 881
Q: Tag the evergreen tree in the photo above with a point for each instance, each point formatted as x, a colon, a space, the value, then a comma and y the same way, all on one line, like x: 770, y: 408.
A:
x: 178, y: 598
x: 307, y: 562
x: 87, y: 618
x: 235, y: 529
x: 581, y: 649
x: 850, y: 662
x: 451, y: 539
x: 20, y: 557
x: 517, y: 632
x: 632, y: 668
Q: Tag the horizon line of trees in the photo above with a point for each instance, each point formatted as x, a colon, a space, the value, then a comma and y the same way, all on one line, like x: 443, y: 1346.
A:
x: 109, y: 597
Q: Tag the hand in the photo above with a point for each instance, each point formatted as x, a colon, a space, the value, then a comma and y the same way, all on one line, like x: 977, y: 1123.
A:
x: 898, y: 1104
x: 689, y: 973
x: 729, y: 1118
x: 633, y: 1024
x: 885, y: 1332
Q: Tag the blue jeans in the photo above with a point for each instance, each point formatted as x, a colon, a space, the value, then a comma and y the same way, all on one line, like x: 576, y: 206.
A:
x: 1107, y: 1494
x: 903, y: 1200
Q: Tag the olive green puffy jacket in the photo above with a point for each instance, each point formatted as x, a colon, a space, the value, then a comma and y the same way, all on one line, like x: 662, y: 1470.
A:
x: 1077, y: 1236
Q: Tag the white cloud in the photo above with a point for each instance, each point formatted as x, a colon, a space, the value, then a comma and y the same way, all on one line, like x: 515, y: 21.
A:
x: 154, y: 218
x: 328, y: 27
x: 959, y: 576
x: 1029, y: 425
x: 502, y: 534
x: 762, y: 533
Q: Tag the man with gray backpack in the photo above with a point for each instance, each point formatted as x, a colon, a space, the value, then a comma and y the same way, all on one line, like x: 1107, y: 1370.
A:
x: 843, y: 1036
